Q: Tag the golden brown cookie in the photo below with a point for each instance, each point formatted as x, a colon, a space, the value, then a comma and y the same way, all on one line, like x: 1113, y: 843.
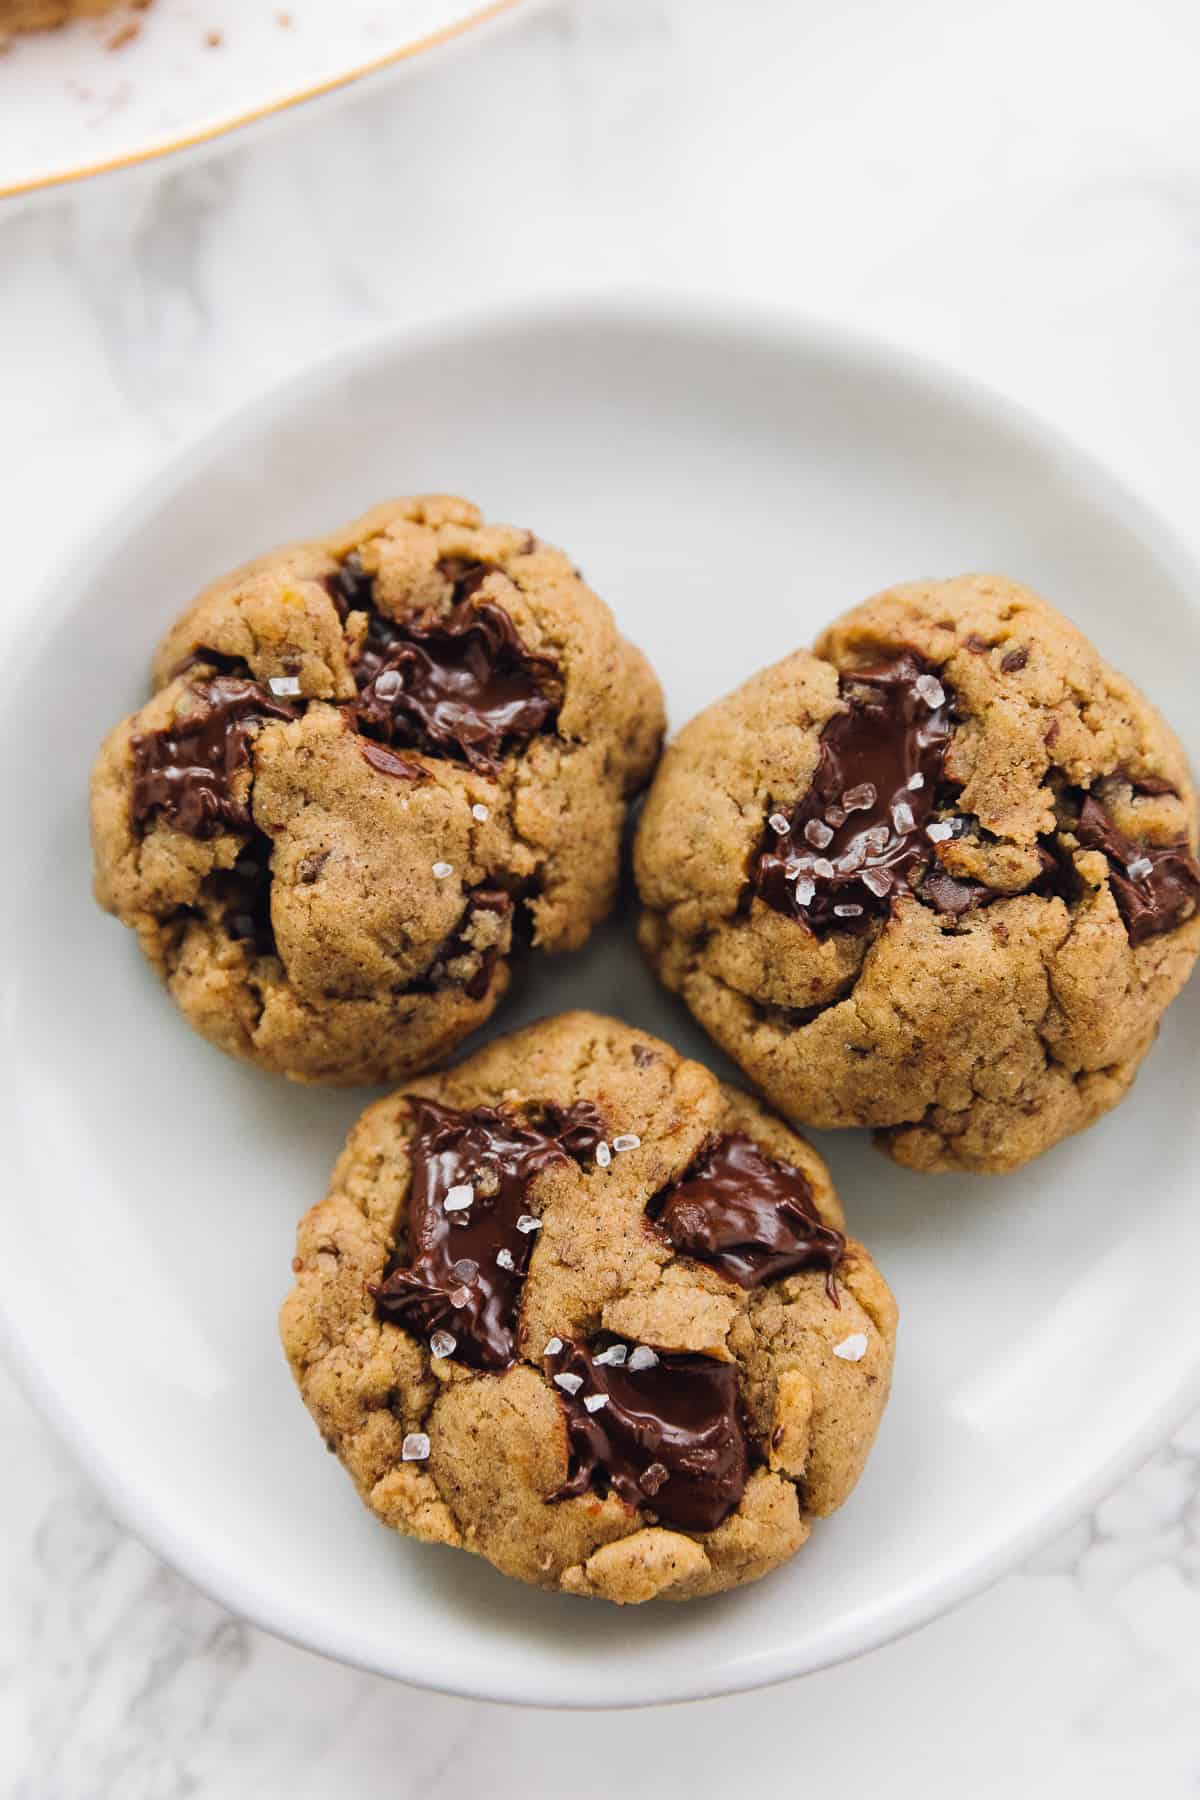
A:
x: 937, y: 877
x: 371, y: 765
x: 577, y: 1307
x: 44, y: 15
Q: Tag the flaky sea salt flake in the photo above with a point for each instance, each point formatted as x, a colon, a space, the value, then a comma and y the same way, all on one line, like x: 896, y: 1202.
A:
x: 285, y: 686
x: 594, y: 1402
x: 818, y: 834
x: 464, y: 1269
x: 848, y: 910
x: 852, y: 1348
x: 916, y: 781
x: 779, y: 824
x: 415, y: 1447
x: 459, y: 1198
x: 443, y: 1344
x: 480, y: 812
x: 805, y: 892
x: 643, y: 1357
x: 902, y: 815
x: 1139, y: 868
x: 442, y: 869
x: 504, y: 1260
x: 570, y: 1384
x: 528, y: 1223
x: 613, y: 1357
x: 878, y: 881
x: 824, y: 868
x: 628, y: 1140
x: 939, y: 832
x: 861, y: 798
x: 603, y: 1155
x: 553, y: 1346
x: 931, y: 690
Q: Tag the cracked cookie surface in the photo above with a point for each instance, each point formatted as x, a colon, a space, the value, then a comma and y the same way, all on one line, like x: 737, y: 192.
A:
x: 577, y: 1307
x: 371, y: 764
x: 937, y: 877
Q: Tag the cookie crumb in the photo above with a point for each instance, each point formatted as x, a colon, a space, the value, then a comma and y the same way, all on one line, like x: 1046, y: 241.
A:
x: 213, y: 39
x: 125, y: 34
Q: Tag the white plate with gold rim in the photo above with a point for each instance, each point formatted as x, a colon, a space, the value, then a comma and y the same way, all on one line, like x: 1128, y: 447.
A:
x: 728, y: 480
x: 102, y: 93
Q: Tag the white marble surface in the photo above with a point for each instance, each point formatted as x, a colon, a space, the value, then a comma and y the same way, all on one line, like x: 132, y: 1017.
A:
x: 1015, y: 188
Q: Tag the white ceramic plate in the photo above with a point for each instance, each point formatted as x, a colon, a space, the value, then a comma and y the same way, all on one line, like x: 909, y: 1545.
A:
x: 103, y: 93
x: 729, y: 483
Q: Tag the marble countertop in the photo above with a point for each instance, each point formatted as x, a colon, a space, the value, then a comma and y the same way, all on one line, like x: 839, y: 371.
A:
x: 1014, y: 189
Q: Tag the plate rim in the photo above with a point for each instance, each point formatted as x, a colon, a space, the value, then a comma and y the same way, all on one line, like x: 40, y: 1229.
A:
x: 630, y: 306
x: 211, y: 130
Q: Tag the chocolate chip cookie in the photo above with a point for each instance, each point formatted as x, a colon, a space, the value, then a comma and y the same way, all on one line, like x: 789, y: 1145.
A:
x: 937, y: 877
x: 373, y: 766
x: 577, y: 1307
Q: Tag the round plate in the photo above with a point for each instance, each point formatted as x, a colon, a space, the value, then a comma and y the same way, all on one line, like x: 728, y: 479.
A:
x: 729, y: 482
x: 103, y: 93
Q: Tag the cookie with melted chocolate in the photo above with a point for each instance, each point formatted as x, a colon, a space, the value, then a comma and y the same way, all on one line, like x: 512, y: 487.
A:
x: 617, y: 1372
x: 373, y: 769
x: 938, y: 877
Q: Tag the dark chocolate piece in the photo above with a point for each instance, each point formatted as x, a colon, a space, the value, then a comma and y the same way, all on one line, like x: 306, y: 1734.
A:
x: 466, y: 1266
x: 184, y: 772
x: 748, y: 1216
x: 388, y: 763
x: 859, y: 834
x: 1156, y: 886
x: 669, y: 1437
x: 245, y: 895
x: 1014, y: 660
x: 460, y: 685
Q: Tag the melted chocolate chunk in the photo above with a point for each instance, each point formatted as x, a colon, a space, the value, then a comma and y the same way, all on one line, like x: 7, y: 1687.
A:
x: 1150, y: 786
x: 460, y: 685
x: 350, y: 587
x: 467, y: 1265
x: 1156, y: 886
x: 184, y: 772
x: 669, y: 1437
x: 748, y: 1216
x: 858, y: 835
